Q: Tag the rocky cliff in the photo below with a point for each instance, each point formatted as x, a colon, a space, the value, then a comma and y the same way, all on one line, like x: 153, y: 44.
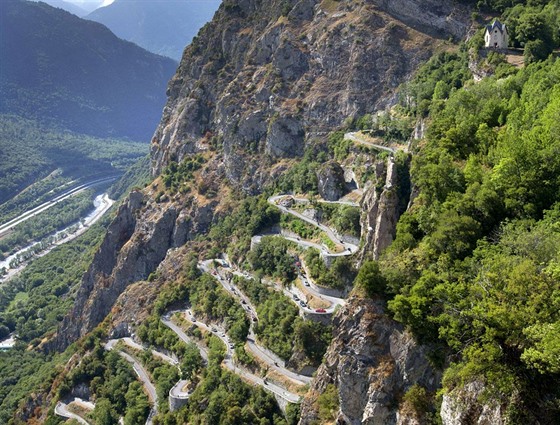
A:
x: 136, y: 242
x: 259, y: 83
x: 265, y: 78
x: 380, y: 210
x: 373, y: 362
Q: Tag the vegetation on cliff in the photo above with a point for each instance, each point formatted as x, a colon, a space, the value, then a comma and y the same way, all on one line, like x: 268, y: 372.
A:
x: 473, y: 265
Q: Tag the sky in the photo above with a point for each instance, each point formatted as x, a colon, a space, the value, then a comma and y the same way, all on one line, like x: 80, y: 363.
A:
x: 80, y: 2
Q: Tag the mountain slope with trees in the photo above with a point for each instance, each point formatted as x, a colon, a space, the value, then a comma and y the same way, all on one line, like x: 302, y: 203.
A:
x: 456, y: 322
x: 77, y: 75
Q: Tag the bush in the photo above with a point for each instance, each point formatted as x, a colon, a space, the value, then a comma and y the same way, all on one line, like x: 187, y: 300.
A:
x: 370, y: 279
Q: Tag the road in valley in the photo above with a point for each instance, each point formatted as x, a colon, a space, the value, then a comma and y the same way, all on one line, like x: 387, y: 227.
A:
x: 5, y: 227
x: 102, y: 203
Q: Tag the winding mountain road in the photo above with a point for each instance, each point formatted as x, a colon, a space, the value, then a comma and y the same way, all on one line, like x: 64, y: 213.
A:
x: 228, y: 358
x: 355, y: 137
x: 272, y: 360
x: 349, y: 248
x: 133, y: 344
x: 61, y: 409
x: 166, y: 320
x: 301, y: 199
x: 142, y: 375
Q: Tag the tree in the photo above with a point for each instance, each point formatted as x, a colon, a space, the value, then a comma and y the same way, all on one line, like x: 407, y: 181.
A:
x: 544, y: 354
x: 103, y: 413
x: 192, y: 361
x: 370, y: 279
x: 535, y: 50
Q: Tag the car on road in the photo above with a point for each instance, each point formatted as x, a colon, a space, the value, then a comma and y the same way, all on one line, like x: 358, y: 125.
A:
x: 214, y: 330
x: 306, y: 283
x: 295, y: 297
x: 320, y: 310
x: 301, y: 303
x: 231, y: 345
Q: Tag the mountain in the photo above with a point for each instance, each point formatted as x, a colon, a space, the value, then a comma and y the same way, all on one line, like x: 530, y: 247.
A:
x: 69, y: 7
x: 164, y: 27
x: 75, y: 74
x: 255, y: 107
x: 428, y: 293
x: 90, y: 5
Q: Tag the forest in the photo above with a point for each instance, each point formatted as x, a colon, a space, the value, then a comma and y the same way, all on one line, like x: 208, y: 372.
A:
x: 473, y: 271
x: 474, y: 264
x: 49, y: 152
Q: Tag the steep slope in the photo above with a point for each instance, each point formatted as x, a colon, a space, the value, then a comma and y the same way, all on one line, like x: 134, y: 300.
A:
x: 265, y: 78
x: 261, y: 80
x: 76, y: 74
x: 162, y: 27
x: 66, y: 5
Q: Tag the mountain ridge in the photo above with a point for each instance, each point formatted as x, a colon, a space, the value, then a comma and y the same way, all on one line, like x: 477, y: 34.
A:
x: 76, y: 74
x: 162, y: 27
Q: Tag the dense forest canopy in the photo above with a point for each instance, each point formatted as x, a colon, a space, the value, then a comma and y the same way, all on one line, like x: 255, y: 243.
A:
x: 474, y: 265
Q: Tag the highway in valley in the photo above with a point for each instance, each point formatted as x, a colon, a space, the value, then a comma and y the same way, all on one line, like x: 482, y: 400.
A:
x: 6, y: 227
x: 102, y: 204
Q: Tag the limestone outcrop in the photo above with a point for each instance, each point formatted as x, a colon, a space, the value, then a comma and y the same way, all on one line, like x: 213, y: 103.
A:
x: 135, y: 244
x: 381, y: 209
x: 331, y: 183
x: 372, y: 361
x: 264, y: 79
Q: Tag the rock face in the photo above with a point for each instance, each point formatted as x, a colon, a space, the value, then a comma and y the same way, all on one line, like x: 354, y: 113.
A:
x: 380, y: 210
x: 331, y: 181
x: 264, y: 78
x: 372, y: 361
x: 463, y: 406
x: 135, y: 244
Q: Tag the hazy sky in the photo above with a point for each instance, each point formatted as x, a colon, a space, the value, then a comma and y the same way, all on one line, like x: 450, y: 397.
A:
x: 100, y: 2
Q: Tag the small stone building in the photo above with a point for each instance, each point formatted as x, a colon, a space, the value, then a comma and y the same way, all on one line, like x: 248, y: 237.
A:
x: 496, y: 36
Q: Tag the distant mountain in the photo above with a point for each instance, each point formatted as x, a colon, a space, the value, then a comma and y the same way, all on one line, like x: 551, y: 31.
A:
x: 90, y: 5
x: 66, y: 5
x: 164, y: 27
x: 76, y: 74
